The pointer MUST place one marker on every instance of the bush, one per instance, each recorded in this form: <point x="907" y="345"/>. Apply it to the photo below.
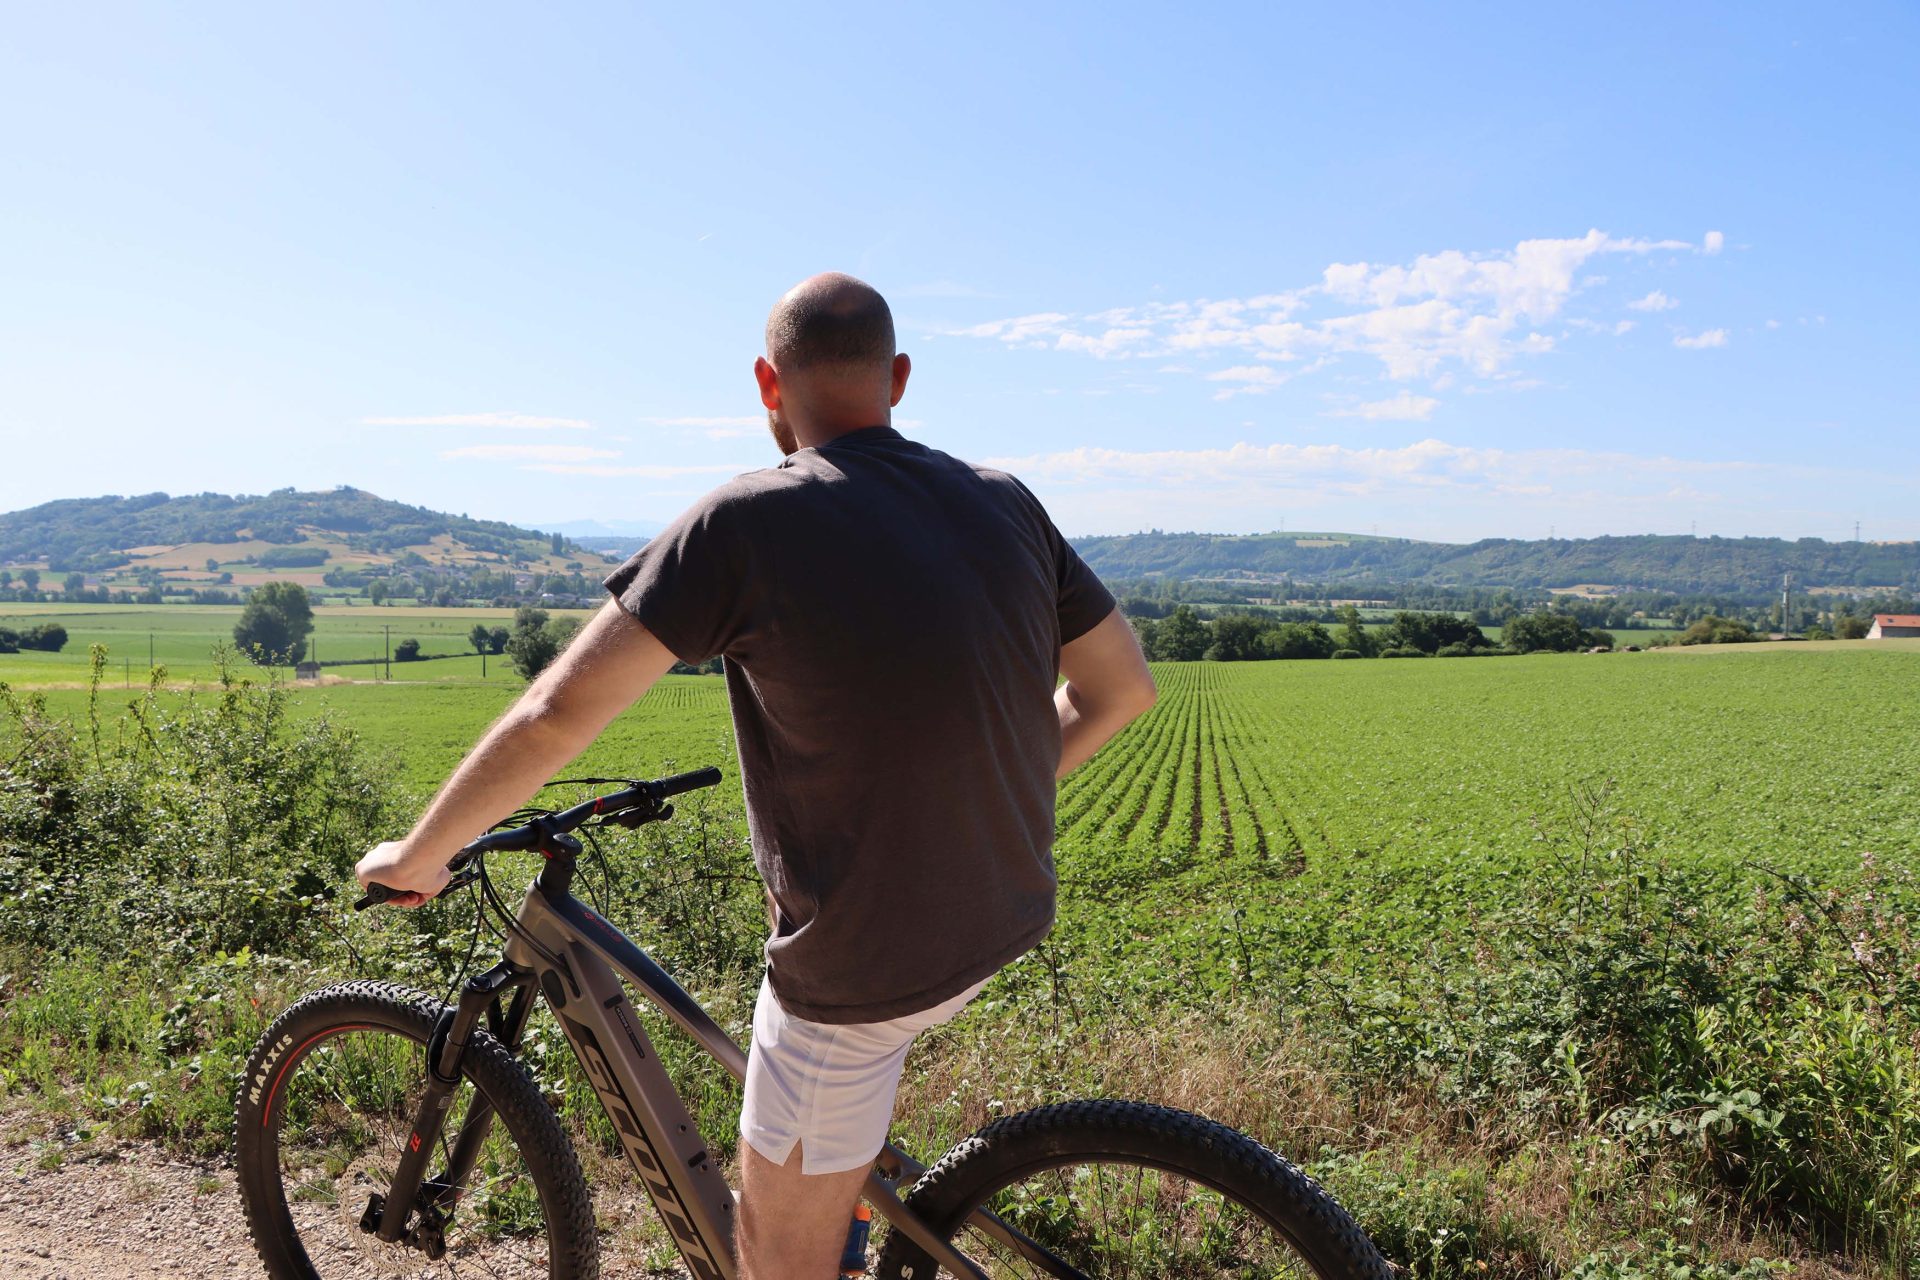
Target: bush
<point x="407" y="650"/>
<point x="49" y="638"/>
<point x="1714" y="629"/>
<point x="1460" y="651"/>
<point x="1347" y="653"/>
<point x="1402" y="652"/>
<point x="212" y="823"/>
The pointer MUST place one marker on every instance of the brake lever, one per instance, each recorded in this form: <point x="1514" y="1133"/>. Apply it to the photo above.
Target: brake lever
<point x="378" y="893"/>
<point x="633" y="819"/>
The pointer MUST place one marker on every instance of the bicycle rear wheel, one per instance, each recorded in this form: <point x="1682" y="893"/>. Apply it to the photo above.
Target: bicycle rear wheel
<point x="326" y="1105"/>
<point x="1122" y="1189"/>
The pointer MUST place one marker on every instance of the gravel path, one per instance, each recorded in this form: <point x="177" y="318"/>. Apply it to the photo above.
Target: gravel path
<point x="114" y="1209"/>
<point x="125" y="1212"/>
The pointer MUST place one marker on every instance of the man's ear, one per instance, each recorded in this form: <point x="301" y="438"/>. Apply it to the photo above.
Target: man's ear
<point x="769" y="379"/>
<point x="901" y="368"/>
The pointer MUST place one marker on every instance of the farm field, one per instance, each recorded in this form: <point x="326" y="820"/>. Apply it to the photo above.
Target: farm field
<point x="1408" y="783"/>
<point x="1409" y="921"/>
<point x="181" y="638"/>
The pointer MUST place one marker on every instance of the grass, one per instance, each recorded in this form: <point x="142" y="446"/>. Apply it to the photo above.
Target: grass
<point x="181" y="638"/>
<point x="1499" y="949"/>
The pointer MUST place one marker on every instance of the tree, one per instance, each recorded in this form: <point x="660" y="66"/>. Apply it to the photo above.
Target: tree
<point x="1182" y="637"/>
<point x="537" y="640"/>
<point x="6" y="579"/>
<point x="31" y="579"/>
<point x="1236" y="638"/>
<point x="1544" y="631"/>
<point x="478" y="638"/>
<point x="213" y="566"/>
<point x="559" y="544"/>
<point x="376" y="591"/>
<point x="1849" y="627"/>
<point x="74" y="584"/>
<point x="407" y="650"/>
<point x="274" y="626"/>
<point x="497" y="640"/>
<point x="1353" y="635"/>
<point x="1298" y="640"/>
<point x="1432" y="632"/>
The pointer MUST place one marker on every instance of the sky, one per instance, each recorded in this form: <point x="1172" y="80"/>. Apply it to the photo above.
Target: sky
<point x="1442" y="272"/>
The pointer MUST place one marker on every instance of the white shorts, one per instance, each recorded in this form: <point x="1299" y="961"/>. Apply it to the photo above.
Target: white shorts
<point x="829" y="1087"/>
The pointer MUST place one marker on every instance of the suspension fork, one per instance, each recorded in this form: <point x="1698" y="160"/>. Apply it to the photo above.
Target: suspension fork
<point x="445" y="1049"/>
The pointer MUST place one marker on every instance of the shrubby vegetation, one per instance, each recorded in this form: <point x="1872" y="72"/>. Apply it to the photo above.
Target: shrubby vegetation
<point x="48" y="637"/>
<point x="1183" y="636"/>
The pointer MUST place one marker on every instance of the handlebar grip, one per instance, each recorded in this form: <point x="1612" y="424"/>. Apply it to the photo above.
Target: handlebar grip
<point x="377" y="893"/>
<point x="680" y="782"/>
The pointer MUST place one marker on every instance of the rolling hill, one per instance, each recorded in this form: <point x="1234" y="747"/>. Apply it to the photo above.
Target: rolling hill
<point x="343" y="537"/>
<point x="1650" y="562"/>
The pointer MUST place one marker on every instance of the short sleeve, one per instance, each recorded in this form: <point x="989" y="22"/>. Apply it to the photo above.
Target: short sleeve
<point x="1082" y="599"/>
<point x="689" y="585"/>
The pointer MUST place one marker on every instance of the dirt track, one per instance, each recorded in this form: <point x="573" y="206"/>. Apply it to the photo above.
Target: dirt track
<point x="125" y="1212"/>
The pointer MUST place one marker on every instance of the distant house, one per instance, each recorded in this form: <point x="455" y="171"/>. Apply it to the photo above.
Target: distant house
<point x="306" y="671"/>
<point x="1888" y="626"/>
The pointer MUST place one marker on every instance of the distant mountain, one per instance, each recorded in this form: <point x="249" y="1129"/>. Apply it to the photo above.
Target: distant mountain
<point x="94" y="534"/>
<point x="1679" y="564"/>
<point x="584" y="530"/>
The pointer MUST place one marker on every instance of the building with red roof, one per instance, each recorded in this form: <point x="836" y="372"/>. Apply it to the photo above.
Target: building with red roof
<point x="1886" y="626"/>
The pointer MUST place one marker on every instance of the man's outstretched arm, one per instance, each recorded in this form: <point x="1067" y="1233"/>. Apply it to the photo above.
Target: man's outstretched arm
<point x="603" y="672"/>
<point x="1107" y="686"/>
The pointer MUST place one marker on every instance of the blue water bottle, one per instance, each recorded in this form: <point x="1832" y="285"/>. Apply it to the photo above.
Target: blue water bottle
<point x="853" y="1259"/>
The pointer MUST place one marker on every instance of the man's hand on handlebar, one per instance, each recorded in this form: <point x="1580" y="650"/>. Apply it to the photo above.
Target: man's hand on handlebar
<point x="390" y="865"/>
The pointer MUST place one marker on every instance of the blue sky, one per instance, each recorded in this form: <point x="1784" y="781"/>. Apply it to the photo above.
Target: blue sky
<point x="1444" y="271"/>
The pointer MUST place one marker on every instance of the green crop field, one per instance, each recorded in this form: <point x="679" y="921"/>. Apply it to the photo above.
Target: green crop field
<point x="181" y="638"/>
<point x="1539" y="962"/>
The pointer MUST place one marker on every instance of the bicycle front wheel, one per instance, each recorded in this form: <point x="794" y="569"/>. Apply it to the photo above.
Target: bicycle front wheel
<point x="327" y="1105"/>
<point x="1114" y="1189"/>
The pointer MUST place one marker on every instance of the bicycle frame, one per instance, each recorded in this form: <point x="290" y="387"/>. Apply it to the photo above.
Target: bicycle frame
<point x="579" y="961"/>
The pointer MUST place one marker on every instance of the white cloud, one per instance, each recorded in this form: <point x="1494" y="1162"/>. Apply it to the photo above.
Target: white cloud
<point x="507" y="421"/>
<point x="647" y="472"/>
<point x="1714" y="243"/>
<point x="529" y="452"/>
<point x="1623" y="326"/>
<point x="1405" y="407"/>
<point x="1655" y="301"/>
<point x="1453" y="309"/>
<point x="730" y="427"/>
<point x="735" y="420"/>
<point x="1428" y="464"/>
<point x="1249" y="380"/>
<point x="1700" y="341"/>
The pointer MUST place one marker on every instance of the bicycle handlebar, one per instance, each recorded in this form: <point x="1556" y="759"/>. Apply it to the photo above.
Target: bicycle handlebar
<point x="645" y="798"/>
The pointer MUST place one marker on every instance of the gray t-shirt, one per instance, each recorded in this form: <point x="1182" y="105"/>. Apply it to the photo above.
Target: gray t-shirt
<point x="891" y="621"/>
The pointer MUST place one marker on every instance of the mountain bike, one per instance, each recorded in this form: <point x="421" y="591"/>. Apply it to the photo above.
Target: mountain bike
<point x="382" y="1132"/>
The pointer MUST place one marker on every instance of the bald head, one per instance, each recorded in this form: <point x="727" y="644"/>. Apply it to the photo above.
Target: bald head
<point x="831" y="322"/>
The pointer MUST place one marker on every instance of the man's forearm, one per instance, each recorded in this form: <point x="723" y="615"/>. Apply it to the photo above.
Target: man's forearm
<point x="511" y="762"/>
<point x="1085" y="726"/>
<point x="607" y="667"/>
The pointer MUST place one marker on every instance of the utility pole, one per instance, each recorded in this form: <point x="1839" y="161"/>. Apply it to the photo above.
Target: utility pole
<point x="1786" y="586"/>
<point x="1856" y="531"/>
<point x="149" y="650"/>
<point x="386" y="630"/>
